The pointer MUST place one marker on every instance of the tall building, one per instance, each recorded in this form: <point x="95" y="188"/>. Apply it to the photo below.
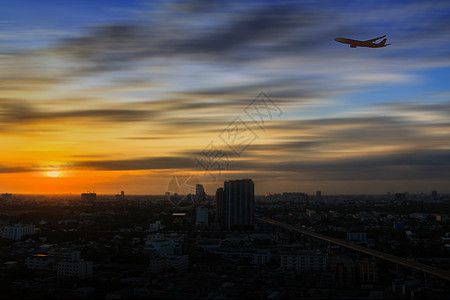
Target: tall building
<point x="220" y="217"/>
<point x="434" y="195"/>
<point x="318" y="196"/>
<point x="235" y="204"/>
<point x="398" y="225"/>
<point x="400" y="196"/>
<point x="200" y="195"/>
<point x="201" y="218"/>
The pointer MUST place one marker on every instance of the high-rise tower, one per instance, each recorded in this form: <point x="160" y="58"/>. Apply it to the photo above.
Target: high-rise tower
<point x="235" y="204"/>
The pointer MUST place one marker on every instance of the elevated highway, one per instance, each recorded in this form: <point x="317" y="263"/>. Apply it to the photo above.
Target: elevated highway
<point x="392" y="258"/>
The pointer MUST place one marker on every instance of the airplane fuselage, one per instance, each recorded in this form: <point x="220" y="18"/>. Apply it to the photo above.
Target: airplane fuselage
<point x="356" y="43"/>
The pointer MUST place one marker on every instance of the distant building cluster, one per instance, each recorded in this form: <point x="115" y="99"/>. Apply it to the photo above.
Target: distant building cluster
<point x="166" y="252"/>
<point x="120" y="196"/>
<point x="66" y="262"/>
<point x="295" y="197"/>
<point x="6" y="197"/>
<point x="88" y="197"/>
<point x="219" y="248"/>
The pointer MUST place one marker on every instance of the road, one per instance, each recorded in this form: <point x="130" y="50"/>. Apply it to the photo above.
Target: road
<point x="395" y="259"/>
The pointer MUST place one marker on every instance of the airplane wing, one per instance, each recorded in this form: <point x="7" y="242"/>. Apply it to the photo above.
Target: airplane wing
<point x="373" y="40"/>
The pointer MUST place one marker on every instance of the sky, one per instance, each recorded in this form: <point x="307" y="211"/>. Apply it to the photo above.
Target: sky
<point x="118" y="95"/>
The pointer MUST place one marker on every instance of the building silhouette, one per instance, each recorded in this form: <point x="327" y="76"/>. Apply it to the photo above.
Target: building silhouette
<point x="6" y="197"/>
<point x="434" y="195"/>
<point x="88" y="197"/>
<point x="200" y="194"/>
<point x="201" y="217"/>
<point x="120" y="196"/>
<point x="235" y="204"/>
<point x="220" y="216"/>
<point x="318" y="196"/>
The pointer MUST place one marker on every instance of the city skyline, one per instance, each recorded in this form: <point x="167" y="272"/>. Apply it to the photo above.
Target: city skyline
<point x="124" y="95"/>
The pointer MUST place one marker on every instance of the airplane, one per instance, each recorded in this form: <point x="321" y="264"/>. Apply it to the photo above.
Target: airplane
<point x="368" y="43"/>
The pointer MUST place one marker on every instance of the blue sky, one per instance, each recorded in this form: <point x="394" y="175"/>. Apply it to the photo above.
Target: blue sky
<point x="168" y="76"/>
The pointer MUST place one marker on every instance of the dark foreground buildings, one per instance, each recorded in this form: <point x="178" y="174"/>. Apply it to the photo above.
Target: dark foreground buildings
<point x="235" y="204"/>
<point x="89" y="197"/>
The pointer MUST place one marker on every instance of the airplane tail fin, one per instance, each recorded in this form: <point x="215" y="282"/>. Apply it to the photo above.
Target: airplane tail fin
<point x="382" y="43"/>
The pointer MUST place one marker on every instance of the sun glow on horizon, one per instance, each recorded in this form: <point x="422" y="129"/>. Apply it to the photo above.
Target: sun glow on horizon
<point x="53" y="174"/>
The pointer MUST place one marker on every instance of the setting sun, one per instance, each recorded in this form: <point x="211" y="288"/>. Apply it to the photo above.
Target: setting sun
<point x="53" y="173"/>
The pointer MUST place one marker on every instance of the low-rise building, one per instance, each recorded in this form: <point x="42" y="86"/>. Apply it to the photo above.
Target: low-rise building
<point x="64" y="254"/>
<point x="180" y="263"/>
<point x="157" y="265"/>
<point x="356" y="236"/>
<point x="303" y="261"/>
<point x="79" y="269"/>
<point x="368" y="271"/>
<point x="261" y="257"/>
<point x="17" y="231"/>
<point x="178" y="240"/>
<point x="344" y="269"/>
<point x="39" y="262"/>
<point x="161" y="247"/>
<point x="156" y="226"/>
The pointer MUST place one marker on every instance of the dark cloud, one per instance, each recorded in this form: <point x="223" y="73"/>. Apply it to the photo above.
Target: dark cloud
<point x="412" y="165"/>
<point x="237" y="32"/>
<point x="152" y="163"/>
<point x="435" y="108"/>
<point x="296" y="146"/>
<point x="16" y="111"/>
<point x="264" y="24"/>
<point x="284" y="90"/>
<point x="234" y="35"/>
<point x="4" y="169"/>
<point x="421" y="164"/>
<point x="112" y="115"/>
